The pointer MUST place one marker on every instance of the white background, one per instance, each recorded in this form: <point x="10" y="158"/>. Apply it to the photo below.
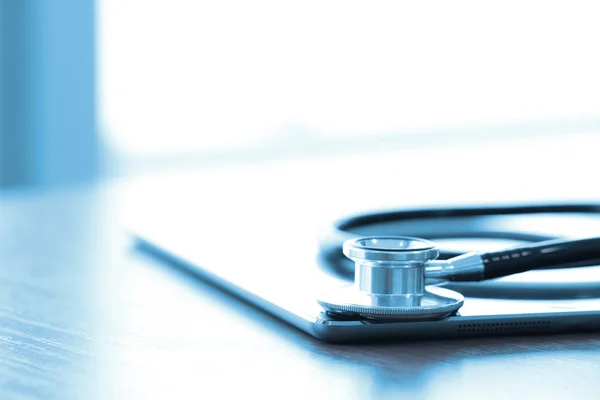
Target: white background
<point x="215" y="76"/>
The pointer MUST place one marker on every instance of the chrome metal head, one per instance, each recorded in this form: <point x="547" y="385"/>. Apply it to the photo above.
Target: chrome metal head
<point x="389" y="281"/>
<point x="390" y="249"/>
<point x="390" y="265"/>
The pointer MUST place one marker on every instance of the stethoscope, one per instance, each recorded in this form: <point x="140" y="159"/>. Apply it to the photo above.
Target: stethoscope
<point x="398" y="277"/>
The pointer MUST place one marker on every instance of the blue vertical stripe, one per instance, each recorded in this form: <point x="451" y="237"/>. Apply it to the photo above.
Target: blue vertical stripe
<point x="47" y="123"/>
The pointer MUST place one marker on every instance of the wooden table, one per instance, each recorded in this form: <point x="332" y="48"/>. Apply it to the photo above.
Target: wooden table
<point x="83" y="315"/>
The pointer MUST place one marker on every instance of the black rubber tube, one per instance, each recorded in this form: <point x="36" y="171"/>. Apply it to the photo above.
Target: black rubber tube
<point x="548" y="254"/>
<point x="331" y="243"/>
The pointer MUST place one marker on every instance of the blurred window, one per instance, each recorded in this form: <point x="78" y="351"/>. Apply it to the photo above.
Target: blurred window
<point x="219" y="76"/>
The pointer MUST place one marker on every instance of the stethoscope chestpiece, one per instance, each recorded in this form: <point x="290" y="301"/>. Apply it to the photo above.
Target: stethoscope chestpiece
<point x="389" y="281"/>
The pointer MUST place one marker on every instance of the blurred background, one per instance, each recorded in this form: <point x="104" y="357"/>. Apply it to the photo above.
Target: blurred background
<point x="109" y="88"/>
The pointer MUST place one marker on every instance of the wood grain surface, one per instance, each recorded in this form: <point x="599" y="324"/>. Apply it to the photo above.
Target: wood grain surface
<point x="84" y="316"/>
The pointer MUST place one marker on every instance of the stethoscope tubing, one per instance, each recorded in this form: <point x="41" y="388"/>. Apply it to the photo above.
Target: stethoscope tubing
<point x="543" y="251"/>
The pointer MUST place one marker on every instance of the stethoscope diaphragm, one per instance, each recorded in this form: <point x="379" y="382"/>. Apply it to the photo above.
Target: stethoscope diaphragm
<point x="390" y="282"/>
